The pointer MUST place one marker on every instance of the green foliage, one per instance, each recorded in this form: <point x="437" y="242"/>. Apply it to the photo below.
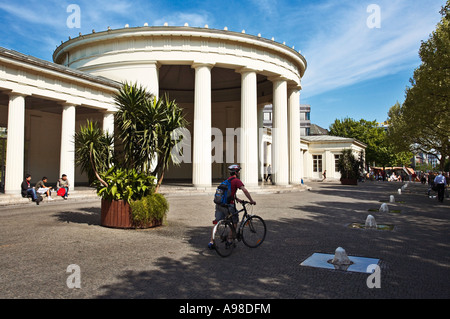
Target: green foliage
<point x="135" y="121"/>
<point x="125" y="184"/>
<point x="381" y="149"/>
<point x="94" y="149"/>
<point x="145" y="125"/>
<point x="153" y="207"/>
<point x="348" y="165"/>
<point x="422" y="123"/>
<point x="364" y="131"/>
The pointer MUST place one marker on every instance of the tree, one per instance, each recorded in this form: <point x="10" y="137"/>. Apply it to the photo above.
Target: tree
<point x="365" y="131"/>
<point x="145" y="125"/>
<point x="422" y="123"/>
<point x="349" y="166"/>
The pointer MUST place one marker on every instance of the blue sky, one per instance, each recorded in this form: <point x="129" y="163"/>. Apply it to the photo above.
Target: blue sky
<point x="353" y="70"/>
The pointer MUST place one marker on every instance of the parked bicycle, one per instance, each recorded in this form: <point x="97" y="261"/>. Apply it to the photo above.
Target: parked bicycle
<point x="252" y="231"/>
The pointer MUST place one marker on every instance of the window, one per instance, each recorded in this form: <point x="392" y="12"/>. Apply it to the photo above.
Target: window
<point x="336" y="161"/>
<point x="267" y="116"/>
<point x="317" y="163"/>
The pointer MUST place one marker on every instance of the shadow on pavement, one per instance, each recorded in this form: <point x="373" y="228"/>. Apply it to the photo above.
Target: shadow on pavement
<point x="90" y="216"/>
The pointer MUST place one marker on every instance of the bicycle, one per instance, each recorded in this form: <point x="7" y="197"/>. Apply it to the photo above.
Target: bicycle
<point x="252" y="231"/>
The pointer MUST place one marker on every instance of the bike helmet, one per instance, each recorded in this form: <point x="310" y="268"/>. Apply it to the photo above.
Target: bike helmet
<point x="234" y="168"/>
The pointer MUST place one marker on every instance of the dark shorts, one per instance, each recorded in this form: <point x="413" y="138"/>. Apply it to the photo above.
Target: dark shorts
<point x="222" y="212"/>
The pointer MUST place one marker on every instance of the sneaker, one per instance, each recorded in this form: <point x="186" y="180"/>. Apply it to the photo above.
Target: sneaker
<point x="211" y="245"/>
<point x="50" y="198"/>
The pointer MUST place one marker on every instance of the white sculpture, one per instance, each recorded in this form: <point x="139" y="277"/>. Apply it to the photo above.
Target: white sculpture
<point x="370" y="222"/>
<point x="384" y="208"/>
<point x="340" y="257"/>
<point x="399" y="191"/>
<point x="391" y="199"/>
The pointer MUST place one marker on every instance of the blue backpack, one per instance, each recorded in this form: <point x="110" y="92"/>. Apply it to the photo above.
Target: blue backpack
<point x="223" y="196"/>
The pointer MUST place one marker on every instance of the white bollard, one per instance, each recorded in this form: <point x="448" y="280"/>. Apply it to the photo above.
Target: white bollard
<point x="384" y="208"/>
<point x="340" y="257"/>
<point x="370" y="222"/>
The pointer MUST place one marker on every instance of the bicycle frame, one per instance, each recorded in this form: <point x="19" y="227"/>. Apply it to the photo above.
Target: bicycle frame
<point x="245" y="216"/>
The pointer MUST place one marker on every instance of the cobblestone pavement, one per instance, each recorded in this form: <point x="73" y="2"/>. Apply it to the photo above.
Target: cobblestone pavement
<point x="38" y="243"/>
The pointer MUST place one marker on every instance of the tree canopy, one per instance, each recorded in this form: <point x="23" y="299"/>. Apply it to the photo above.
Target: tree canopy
<point x="422" y="123"/>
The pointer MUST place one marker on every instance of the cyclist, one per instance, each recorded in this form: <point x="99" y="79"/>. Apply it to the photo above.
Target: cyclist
<point x="222" y="212"/>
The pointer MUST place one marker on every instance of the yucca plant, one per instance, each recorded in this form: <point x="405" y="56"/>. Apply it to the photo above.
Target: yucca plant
<point x="94" y="150"/>
<point x="145" y="125"/>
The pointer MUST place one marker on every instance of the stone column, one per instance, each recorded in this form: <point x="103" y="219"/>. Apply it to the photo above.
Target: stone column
<point x="146" y="75"/>
<point x="260" y="141"/>
<point x="14" y="174"/>
<point x="108" y="122"/>
<point x="201" y="166"/>
<point x="67" y="155"/>
<point x="280" y="152"/>
<point x="249" y="128"/>
<point x="295" y="160"/>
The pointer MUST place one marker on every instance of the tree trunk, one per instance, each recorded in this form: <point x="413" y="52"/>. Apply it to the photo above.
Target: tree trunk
<point x="95" y="171"/>
<point x="160" y="179"/>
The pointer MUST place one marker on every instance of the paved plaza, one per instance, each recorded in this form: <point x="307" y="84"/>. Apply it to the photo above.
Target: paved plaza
<point x="38" y="243"/>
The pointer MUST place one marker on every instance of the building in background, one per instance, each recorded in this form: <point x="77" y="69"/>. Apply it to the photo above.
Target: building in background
<point x="222" y="79"/>
<point x="320" y="151"/>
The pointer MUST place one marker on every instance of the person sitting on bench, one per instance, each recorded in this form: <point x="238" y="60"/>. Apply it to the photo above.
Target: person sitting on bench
<point x="63" y="186"/>
<point x="28" y="191"/>
<point x="42" y="189"/>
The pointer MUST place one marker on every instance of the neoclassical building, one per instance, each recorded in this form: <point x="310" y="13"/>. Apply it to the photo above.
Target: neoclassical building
<point x="222" y="79"/>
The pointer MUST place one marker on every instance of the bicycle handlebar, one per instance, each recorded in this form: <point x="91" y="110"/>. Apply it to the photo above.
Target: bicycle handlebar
<point x="244" y="202"/>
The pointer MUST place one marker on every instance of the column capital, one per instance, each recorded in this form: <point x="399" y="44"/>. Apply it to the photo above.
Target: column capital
<point x="67" y="104"/>
<point x="197" y="64"/>
<point x="245" y="69"/>
<point x="14" y="94"/>
<point x="276" y="78"/>
<point x="294" y="87"/>
<point x="155" y="63"/>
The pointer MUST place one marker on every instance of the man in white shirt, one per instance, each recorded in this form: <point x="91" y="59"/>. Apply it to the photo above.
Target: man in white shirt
<point x="440" y="183"/>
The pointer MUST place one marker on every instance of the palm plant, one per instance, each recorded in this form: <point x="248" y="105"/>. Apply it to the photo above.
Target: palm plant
<point x="145" y="125"/>
<point x="135" y="121"/>
<point x="172" y="118"/>
<point x="94" y="150"/>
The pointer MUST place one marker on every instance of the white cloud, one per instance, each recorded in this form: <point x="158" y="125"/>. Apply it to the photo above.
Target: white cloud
<point x="345" y="51"/>
<point x="180" y="18"/>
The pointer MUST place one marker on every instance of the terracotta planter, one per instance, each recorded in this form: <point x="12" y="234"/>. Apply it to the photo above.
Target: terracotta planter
<point x="117" y="214"/>
<point x="349" y="181"/>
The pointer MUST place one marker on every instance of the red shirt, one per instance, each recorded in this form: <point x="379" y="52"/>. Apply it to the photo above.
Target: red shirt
<point x="236" y="183"/>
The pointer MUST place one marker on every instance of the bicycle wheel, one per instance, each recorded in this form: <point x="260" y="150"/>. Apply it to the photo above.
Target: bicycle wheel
<point x="254" y="231"/>
<point x="223" y="238"/>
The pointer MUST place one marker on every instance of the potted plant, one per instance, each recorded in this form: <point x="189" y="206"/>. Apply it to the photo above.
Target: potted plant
<point x="127" y="184"/>
<point x="129" y="200"/>
<point x="349" y="167"/>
